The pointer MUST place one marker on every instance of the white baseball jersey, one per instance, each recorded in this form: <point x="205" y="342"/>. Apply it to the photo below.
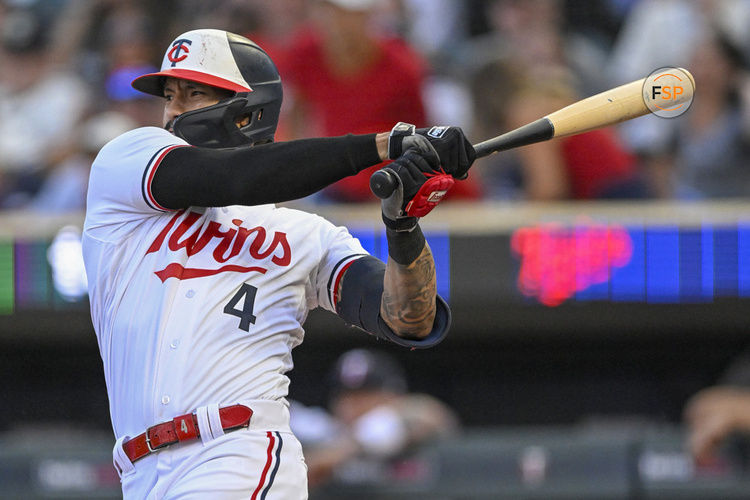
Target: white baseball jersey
<point x="198" y="306"/>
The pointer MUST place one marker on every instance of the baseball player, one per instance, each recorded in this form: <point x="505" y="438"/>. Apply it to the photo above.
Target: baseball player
<point x="199" y="286"/>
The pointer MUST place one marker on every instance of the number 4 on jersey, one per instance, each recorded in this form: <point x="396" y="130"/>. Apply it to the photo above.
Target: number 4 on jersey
<point x="246" y="313"/>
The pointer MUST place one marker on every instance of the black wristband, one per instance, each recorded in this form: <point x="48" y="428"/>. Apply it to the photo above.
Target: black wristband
<point x="396" y="139"/>
<point x="401" y="224"/>
<point x="405" y="246"/>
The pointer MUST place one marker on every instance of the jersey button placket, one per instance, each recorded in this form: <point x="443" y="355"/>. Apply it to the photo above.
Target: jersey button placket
<point x="185" y="312"/>
<point x="174" y="362"/>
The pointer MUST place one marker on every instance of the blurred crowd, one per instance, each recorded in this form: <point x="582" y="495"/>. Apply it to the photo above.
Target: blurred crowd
<point x="373" y="422"/>
<point x="360" y="66"/>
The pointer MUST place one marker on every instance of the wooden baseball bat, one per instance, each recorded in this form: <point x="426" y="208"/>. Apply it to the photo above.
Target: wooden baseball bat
<point x="606" y="108"/>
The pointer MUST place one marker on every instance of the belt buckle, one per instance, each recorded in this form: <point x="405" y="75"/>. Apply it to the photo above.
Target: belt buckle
<point x="152" y="449"/>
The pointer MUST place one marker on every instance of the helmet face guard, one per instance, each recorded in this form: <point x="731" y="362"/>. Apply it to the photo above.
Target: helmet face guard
<point x="216" y="126"/>
<point x="228" y="61"/>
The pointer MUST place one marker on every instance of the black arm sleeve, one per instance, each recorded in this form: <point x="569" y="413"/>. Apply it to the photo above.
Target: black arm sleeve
<point x="270" y="173"/>
<point x="362" y="290"/>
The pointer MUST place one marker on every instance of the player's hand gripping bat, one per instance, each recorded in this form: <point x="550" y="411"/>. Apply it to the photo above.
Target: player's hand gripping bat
<point x="606" y="108"/>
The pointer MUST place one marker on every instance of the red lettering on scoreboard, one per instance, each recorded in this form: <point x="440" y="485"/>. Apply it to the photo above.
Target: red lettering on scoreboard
<point x="557" y="261"/>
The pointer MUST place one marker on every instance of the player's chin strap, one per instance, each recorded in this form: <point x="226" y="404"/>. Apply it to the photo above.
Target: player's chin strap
<point x="359" y="305"/>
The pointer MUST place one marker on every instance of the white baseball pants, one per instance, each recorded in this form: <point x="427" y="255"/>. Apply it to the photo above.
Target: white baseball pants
<point x="262" y="462"/>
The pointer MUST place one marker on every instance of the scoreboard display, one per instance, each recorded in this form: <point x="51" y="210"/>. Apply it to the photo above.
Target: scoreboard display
<point x="552" y="264"/>
<point x="655" y="264"/>
<point x="547" y="264"/>
<point x="542" y="260"/>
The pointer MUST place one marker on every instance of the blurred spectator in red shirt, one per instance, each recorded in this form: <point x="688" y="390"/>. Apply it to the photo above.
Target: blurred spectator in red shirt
<point x="347" y="79"/>
<point x="585" y="166"/>
<point x="343" y="78"/>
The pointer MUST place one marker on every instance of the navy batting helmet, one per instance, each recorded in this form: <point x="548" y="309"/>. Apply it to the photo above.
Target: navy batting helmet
<point x="228" y="61"/>
<point x="364" y="369"/>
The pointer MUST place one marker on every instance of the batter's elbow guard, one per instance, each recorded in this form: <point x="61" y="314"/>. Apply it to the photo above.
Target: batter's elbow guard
<point x="440" y="327"/>
<point x="359" y="305"/>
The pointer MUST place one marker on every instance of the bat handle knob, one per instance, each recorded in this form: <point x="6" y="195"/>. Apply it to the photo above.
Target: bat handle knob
<point x="383" y="183"/>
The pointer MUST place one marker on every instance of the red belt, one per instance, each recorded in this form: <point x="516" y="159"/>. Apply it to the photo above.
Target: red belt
<point x="182" y="428"/>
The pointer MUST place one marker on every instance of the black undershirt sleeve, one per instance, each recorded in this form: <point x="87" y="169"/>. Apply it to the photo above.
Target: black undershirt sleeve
<point x="270" y="173"/>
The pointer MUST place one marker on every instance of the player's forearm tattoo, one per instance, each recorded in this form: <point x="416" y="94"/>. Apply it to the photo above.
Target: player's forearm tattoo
<point x="408" y="304"/>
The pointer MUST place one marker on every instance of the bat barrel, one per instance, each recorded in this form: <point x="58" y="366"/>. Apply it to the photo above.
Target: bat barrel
<point x="603" y="109"/>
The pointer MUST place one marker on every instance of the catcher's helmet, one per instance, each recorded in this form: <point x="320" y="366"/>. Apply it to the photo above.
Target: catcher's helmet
<point x="228" y="61"/>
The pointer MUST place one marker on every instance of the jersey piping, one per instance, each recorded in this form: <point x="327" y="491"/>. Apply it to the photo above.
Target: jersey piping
<point x="273" y="459"/>
<point x="336" y="275"/>
<point x="148" y="177"/>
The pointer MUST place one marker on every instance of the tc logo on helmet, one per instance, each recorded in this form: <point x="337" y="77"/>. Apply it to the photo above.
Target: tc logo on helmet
<point x="179" y="46"/>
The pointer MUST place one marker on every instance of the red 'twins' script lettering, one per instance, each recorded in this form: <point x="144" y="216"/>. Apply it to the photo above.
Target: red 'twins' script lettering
<point x="557" y="262"/>
<point x="230" y="243"/>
